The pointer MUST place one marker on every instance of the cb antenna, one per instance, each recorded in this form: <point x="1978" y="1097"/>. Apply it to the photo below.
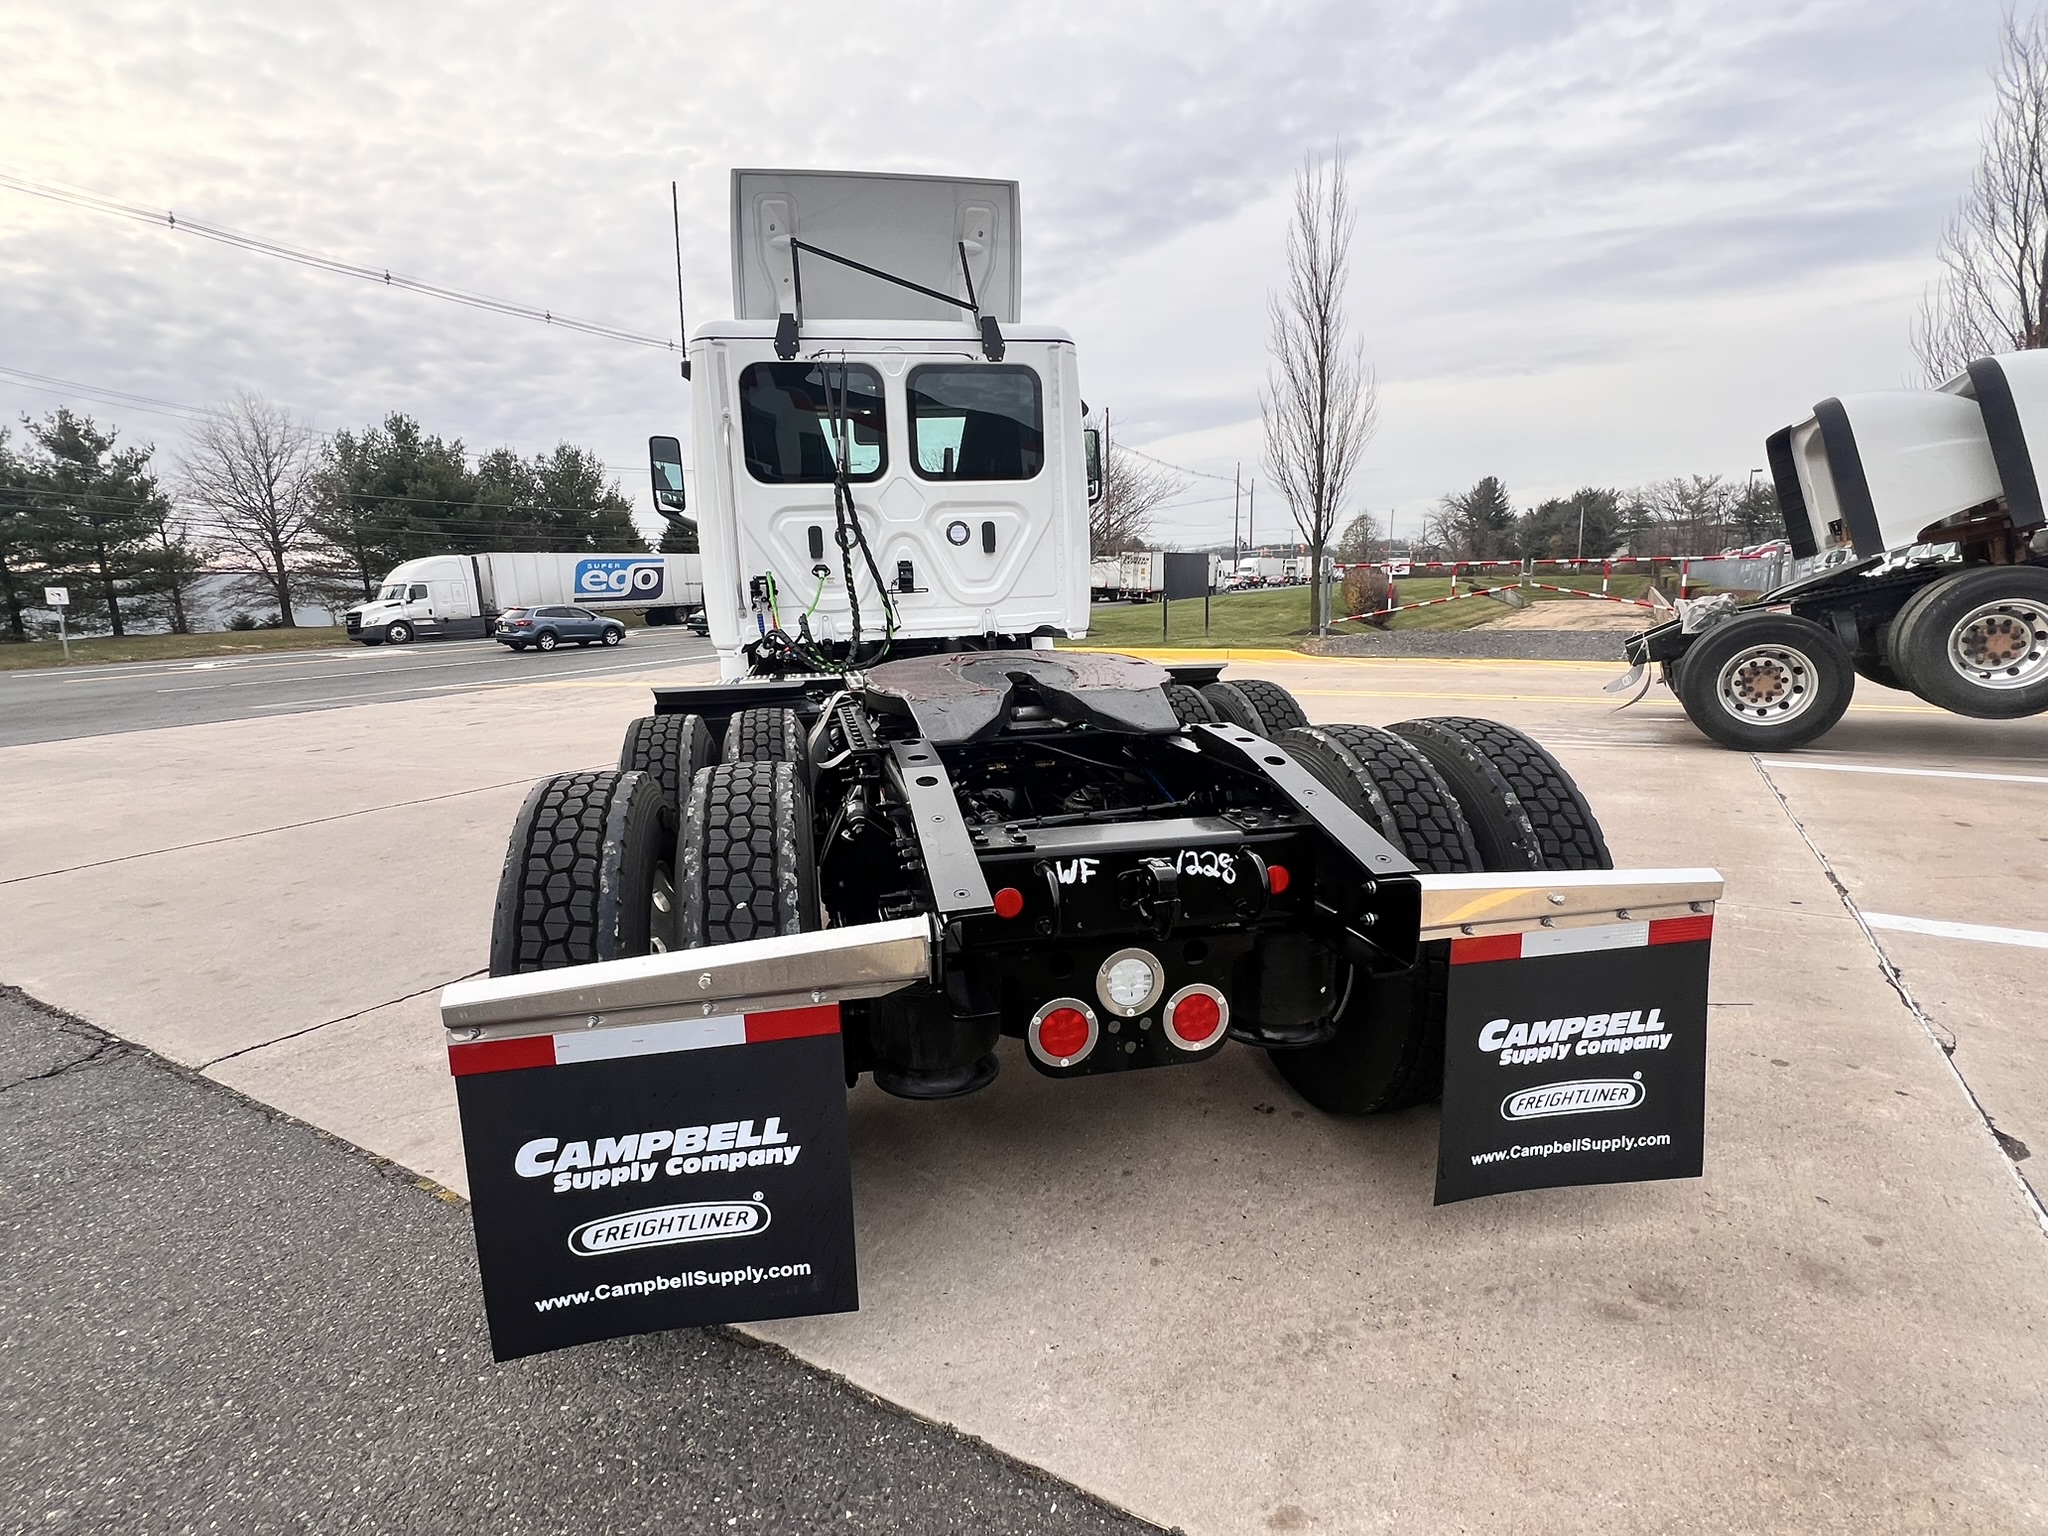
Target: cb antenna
<point x="675" y="212"/>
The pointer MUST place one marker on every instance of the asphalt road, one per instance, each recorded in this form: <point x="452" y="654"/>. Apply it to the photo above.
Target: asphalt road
<point x="60" y="705"/>
<point x="214" y="1318"/>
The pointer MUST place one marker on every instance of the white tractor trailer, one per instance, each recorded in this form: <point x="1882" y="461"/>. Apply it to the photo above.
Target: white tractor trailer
<point x="1918" y="520"/>
<point x="445" y="597"/>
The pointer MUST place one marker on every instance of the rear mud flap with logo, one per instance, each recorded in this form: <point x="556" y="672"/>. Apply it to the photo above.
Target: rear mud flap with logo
<point x="1575" y="1056"/>
<point x="666" y="1175"/>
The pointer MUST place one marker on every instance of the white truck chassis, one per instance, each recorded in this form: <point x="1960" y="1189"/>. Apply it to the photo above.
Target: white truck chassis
<point x="1920" y="515"/>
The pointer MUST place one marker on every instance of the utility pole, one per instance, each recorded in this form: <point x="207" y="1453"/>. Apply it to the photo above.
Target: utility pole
<point x="1251" y="512"/>
<point x="1236" y="492"/>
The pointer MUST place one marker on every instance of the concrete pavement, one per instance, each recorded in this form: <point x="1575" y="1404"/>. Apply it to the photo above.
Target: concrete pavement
<point x="1181" y="1290"/>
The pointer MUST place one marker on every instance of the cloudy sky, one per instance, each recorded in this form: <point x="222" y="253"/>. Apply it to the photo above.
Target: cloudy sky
<point x="1598" y="242"/>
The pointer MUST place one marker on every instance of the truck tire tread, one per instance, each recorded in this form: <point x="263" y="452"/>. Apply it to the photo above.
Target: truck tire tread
<point x="1277" y="707"/>
<point x="1263" y="708"/>
<point x="1524" y="809"/>
<point x="1425" y="823"/>
<point x="1396" y="1059"/>
<point x="764" y="736"/>
<point x="577" y="882"/>
<point x="669" y="749"/>
<point x="744" y="860"/>
<point x="1190" y="707"/>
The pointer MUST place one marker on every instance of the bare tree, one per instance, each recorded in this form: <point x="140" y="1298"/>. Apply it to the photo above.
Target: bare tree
<point x="1321" y="401"/>
<point x="1132" y="489"/>
<point x="252" y="466"/>
<point x="1992" y="295"/>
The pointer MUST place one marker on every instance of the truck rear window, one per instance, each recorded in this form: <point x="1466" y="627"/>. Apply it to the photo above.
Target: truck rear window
<point x="787" y="421"/>
<point x="976" y="423"/>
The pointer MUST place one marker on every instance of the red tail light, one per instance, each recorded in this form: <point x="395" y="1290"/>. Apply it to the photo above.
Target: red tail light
<point x="1063" y="1032"/>
<point x="1009" y="901"/>
<point x="1277" y="878"/>
<point x="1196" y="1017"/>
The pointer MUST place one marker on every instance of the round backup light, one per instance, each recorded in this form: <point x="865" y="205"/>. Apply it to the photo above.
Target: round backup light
<point x="1130" y="981"/>
<point x="1196" y="1017"/>
<point x="1063" y="1032"/>
<point x="1009" y="901"/>
<point x="1277" y="878"/>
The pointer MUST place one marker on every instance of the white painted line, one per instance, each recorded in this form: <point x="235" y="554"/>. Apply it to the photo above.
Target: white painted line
<point x="1910" y="773"/>
<point x="2025" y="938"/>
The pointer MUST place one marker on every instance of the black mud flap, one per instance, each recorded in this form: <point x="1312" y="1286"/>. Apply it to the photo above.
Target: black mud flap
<point x="1575" y="1056"/>
<point x="653" y="1176"/>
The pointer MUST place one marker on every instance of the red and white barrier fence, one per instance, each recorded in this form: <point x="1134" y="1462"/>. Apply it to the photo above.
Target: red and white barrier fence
<point x="1394" y="570"/>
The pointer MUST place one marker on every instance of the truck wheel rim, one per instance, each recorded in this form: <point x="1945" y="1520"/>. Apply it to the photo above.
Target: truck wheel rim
<point x="2002" y="645"/>
<point x="1767" y="683"/>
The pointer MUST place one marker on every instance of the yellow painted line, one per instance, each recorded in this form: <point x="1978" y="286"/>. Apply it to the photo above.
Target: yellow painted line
<point x="1447" y="693"/>
<point x="1204" y="653"/>
<point x="1664" y="709"/>
<point x="1304" y="658"/>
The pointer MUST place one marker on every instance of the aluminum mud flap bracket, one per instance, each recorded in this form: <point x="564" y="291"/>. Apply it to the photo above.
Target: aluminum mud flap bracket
<point x="661" y="1142"/>
<point x="1575" y="1027"/>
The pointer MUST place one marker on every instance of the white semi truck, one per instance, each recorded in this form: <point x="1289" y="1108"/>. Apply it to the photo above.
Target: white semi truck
<point x="1917" y="519"/>
<point x="902" y="803"/>
<point x="460" y="596"/>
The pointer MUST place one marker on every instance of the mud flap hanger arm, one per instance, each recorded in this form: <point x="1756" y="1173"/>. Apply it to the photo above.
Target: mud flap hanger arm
<point x="789" y="325"/>
<point x="1480" y="906"/>
<point x="798" y="970"/>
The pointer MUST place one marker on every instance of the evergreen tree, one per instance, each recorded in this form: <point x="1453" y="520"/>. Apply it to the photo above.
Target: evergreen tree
<point x="20" y="543"/>
<point x="96" y="504"/>
<point x="392" y="494"/>
<point x="1587" y="522"/>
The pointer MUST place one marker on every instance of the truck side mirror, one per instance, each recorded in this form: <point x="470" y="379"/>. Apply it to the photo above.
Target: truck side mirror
<point x="665" y="460"/>
<point x="1093" y="439"/>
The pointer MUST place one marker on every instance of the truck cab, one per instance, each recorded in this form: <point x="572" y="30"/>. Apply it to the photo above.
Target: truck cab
<point x="418" y="600"/>
<point x="889" y="488"/>
<point x="888" y="463"/>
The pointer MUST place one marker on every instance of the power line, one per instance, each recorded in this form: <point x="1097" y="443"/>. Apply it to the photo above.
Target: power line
<point x="55" y="386"/>
<point x="1177" y="468"/>
<point x="51" y="385"/>
<point x="166" y="219"/>
<point x="26" y="496"/>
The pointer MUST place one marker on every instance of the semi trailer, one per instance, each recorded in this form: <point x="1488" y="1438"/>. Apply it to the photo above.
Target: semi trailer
<point x="1139" y="576"/>
<point x="1917" y="521"/>
<point x="903" y="817"/>
<point x="460" y="596"/>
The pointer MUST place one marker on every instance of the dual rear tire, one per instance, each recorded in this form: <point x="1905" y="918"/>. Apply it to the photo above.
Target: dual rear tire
<point x="1456" y="796"/>
<point x="672" y="850"/>
<point x="1976" y="642"/>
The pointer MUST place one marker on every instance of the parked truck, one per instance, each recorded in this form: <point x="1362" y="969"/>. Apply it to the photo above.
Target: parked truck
<point x="1138" y="576"/>
<point x="903" y="803"/>
<point x="1917" y="520"/>
<point x="461" y="596"/>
